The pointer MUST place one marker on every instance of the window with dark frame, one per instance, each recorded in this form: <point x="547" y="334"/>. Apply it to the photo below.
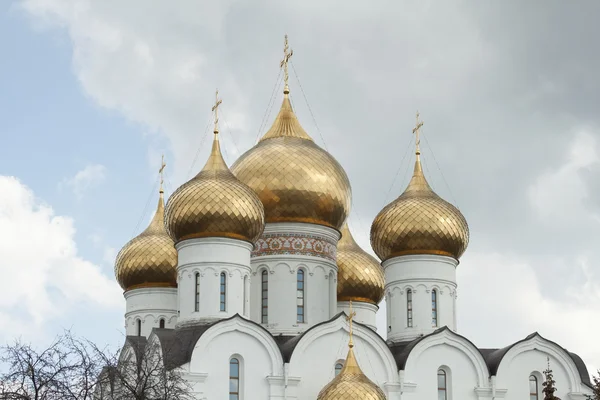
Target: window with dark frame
<point x="234" y="379"/>
<point x="197" y="297"/>
<point x="161" y="324"/>
<point x="265" y="296"/>
<point x="300" y="317"/>
<point x="223" y="295"/>
<point x="409" y="308"/>
<point x="139" y="327"/>
<point x="338" y="368"/>
<point x="533" y="387"/>
<point x="442" y="385"/>
<point x="434" y="308"/>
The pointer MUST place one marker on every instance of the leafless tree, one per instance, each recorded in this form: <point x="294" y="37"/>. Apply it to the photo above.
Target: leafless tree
<point x="76" y="369"/>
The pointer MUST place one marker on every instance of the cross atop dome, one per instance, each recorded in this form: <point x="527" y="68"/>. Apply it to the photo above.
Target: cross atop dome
<point x="417" y="131"/>
<point x="284" y="64"/>
<point x="215" y="109"/>
<point x="161" y="171"/>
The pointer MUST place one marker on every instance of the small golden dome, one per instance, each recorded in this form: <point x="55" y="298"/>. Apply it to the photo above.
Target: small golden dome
<point x="351" y="383"/>
<point x="295" y="179"/>
<point x="419" y="222"/>
<point x="150" y="259"/>
<point x="215" y="204"/>
<point x="360" y="276"/>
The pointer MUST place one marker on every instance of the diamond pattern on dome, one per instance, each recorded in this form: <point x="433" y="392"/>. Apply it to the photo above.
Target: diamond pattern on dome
<point x="214" y="204"/>
<point x="149" y="259"/>
<point x="419" y="222"/>
<point x="351" y="384"/>
<point x="360" y="276"/>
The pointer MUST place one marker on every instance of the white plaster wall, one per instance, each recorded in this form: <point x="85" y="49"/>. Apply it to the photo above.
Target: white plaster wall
<point x="420" y="376"/>
<point x="150" y="305"/>
<point x="532" y="357"/>
<point x="258" y="355"/>
<point x="320" y="299"/>
<point x="315" y="356"/>
<point x="422" y="274"/>
<point x="365" y="312"/>
<point x="210" y="257"/>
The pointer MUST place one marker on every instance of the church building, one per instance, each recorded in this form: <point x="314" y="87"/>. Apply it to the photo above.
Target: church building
<point x="251" y="283"/>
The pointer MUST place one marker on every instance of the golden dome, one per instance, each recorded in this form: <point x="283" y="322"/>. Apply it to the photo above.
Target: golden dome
<point x="150" y="259"/>
<point x="295" y="179"/>
<point x="215" y="204"/>
<point x="419" y="222"/>
<point x="351" y="383"/>
<point x="360" y="276"/>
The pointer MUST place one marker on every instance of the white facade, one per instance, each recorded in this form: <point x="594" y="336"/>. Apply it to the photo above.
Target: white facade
<point x="425" y="285"/>
<point x="287" y="253"/>
<point x="147" y="307"/>
<point x="213" y="278"/>
<point x="366" y="313"/>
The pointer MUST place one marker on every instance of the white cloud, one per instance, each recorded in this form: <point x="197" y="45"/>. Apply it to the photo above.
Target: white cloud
<point x="42" y="274"/>
<point x="85" y="179"/>
<point x="559" y="193"/>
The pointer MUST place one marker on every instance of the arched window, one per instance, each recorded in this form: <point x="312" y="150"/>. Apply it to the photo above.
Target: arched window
<point x="300" y="296"/>
<point x="197" y="298"/>
<point x="338" y="368"/>
<point x="223" y="291"/>
<point x="161" y="324"/>
<point x="234" y="379"/>
<point x="533" y="387"/>
<point x="409" y="308"/>
<point x="265" y="296"/>
<point x="139" y="327"/>
<point x="434" y="308"/>
<point x="442" y="385"/>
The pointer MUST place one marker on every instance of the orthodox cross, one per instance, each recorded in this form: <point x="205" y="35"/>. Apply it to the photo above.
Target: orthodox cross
<point x="284" y="63"/>
<point x="417" y="132"/>
<point x="350" y="318"/>
<point x="162" y="173"/>
<point x="215" y="109"/>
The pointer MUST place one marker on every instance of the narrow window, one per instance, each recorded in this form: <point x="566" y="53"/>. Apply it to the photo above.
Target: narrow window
<point x="197" y="298"/>
<point x="434" y="308"/>
<point x="533" y="388"/>
<point x="338" y="368"/>
<point x="265" y="296"/>
<point x="161" y="324"/>
<point x="234" y="379"/>
<point x="223" y="291"/>
<point x="300" y="296"/>
<point x="409" y="308"/>
<point x="442" y="385"/>
<point x="139" y="327"/>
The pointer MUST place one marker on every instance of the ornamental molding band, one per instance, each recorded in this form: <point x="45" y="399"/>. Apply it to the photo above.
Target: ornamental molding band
<point x="295" y="244"/>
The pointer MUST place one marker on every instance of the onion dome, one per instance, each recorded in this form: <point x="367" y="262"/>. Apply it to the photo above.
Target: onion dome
<point x="351" y="383"/>
<point x="296" y="180"/>
<point x="214" y="204"/>
<point x="150" y="259"/>
<point x="360" y="276"/>
<point x="419" y="222"/>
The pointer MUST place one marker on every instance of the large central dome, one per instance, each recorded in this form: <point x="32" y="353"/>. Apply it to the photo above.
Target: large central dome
<point x="296" y="180"/>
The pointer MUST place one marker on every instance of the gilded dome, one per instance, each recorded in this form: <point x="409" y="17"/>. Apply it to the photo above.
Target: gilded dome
<point x="360" y="276"/>
<point x="149" y="259"/>
<point x="351" y="384"/>
<point x="419" y="222"/>
<point x="295" y="179"/>
<point x="214" y="204"/>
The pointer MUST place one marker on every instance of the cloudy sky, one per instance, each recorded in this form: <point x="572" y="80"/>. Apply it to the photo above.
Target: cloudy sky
<point x="92" y="92"/>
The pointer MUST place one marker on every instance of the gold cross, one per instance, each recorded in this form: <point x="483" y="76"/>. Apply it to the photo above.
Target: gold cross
<point x="350" y="318"/>
<point x="215" y="109"/>
<point x="161" y="172"/>
<point x="284" y="63"/>
<point x="417" y="132"/>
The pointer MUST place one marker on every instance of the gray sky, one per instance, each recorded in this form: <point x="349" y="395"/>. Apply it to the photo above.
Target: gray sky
<point x="509" y="92"/>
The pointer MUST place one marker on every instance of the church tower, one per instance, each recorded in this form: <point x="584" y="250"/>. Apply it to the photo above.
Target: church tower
<point x="419" y="238"/>
<point x="306" y="196"/>
<point x="146" y="270"/>
<point x="214" y="220"/>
